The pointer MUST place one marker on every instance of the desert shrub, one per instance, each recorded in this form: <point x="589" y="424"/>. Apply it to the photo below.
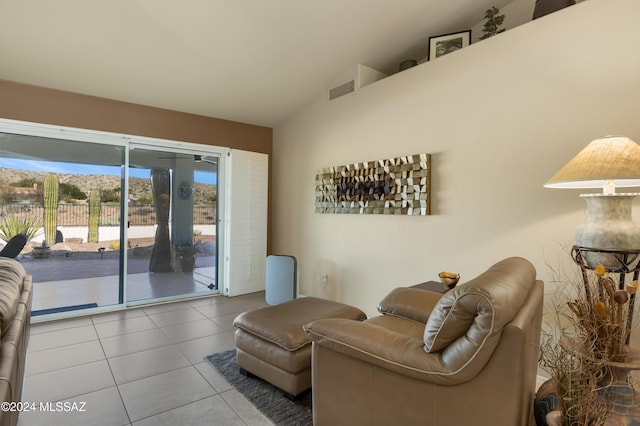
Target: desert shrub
<point x="110" y="195"/>
<point x="145" y="200"/>
<point x="25" y="223"/>
<point x="70" y="191"/>
<point x="25" y="183"/>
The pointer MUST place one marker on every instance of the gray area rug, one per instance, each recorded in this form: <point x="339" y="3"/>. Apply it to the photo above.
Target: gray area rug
<point x="264" y="396"/>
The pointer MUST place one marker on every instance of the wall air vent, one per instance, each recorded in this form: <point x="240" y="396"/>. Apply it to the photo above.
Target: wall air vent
<point x="343" y="89"/>
<point x="354" y="80"/>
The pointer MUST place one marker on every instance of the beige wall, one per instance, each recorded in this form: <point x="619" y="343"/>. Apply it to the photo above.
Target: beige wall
<point x="499" y="117"/>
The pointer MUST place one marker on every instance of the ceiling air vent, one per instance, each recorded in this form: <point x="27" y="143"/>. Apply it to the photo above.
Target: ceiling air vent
<point x="343" y="89"/>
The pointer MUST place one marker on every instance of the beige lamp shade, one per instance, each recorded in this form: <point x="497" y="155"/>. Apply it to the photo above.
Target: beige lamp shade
<point x="613" y="158"/>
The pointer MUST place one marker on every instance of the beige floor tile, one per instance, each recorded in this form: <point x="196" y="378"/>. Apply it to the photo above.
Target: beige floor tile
<point x="196" y="350"/>
<point x="134" y="342"/>
<point x="118" y="315"/>
<point x="100" y="408"/>
<point x="153" y="395"/>
<point x="232" y="308"/>
<point x="131" y="325"/>
<point x="63" y="357"/>
<point x="68" y="382"/>
<point x="167" y="307"/>
<point x="215" y="379"/>
<point x="209" y="411"/>
<point x="165" y="319"/>
<point x="45" y="327"/>
<point x="138" y="365"/>
<point x="225" y="321"/>
<point x="67" y="336"/>
<point x="204" y="301"/>
<point x="247" y="412"/>
<point x="191" y="330"/>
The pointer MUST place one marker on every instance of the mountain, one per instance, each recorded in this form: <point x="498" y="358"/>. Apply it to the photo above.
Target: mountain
<point x="138" y="187"/>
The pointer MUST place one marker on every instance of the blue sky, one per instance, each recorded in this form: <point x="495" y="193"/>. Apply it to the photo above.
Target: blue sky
<point x="85" y="169"/>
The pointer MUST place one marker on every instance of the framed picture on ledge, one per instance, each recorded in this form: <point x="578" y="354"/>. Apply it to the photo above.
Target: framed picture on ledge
<point x="447" y="43"/>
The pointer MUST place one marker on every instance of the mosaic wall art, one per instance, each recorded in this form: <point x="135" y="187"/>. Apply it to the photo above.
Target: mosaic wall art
<point x="400" y="186"/>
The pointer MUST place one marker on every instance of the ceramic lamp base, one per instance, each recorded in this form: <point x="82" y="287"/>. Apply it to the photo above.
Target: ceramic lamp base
<point x="608" y="226"/>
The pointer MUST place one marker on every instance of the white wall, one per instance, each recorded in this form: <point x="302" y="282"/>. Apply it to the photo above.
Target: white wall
<point x="499" y="117"/>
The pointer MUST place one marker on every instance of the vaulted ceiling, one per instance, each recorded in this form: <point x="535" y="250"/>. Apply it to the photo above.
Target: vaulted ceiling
<point x="253" y="61"/>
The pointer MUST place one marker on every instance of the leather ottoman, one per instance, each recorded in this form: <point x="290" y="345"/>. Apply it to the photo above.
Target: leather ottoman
<point x="271" y="343"/>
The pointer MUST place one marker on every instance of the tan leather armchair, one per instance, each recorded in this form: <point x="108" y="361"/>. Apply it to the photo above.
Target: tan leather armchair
<point x="466" y="358"/>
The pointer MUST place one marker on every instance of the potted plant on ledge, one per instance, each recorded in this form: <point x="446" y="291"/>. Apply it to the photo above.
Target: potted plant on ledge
<point x="187" y="255"/>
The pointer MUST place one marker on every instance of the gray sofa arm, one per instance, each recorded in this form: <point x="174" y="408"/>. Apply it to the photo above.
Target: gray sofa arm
<point x="387" y="349"/>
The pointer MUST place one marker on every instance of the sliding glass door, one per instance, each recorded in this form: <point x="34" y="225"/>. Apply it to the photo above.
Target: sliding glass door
<point x="65" y="195"/>
<point x="172" y="218"/>
<point x="111" y="220"/>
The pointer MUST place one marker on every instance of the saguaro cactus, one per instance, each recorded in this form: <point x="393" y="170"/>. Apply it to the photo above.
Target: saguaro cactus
<point x="50" y="207"/>
<point x="94" y="215"/>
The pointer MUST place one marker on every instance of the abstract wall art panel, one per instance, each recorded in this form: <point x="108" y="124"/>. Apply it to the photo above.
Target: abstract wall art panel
<point x="400" y="186"/>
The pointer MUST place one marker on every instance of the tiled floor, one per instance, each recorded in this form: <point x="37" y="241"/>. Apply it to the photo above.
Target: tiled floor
<point x="97" y="282"/>
<point x="138" y="367"/>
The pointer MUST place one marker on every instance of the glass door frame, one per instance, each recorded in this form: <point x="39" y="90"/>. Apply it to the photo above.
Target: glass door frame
<point x="172" y="147"/>
<point x="123" y="140"/>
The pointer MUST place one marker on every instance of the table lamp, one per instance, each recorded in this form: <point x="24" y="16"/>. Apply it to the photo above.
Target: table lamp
<point x="607" y="163"/>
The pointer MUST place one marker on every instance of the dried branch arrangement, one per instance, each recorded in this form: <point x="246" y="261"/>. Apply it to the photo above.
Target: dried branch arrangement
<point x="603" y="316"/>
<point x="589" y="338"/>
<point x="576" y="384"/>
